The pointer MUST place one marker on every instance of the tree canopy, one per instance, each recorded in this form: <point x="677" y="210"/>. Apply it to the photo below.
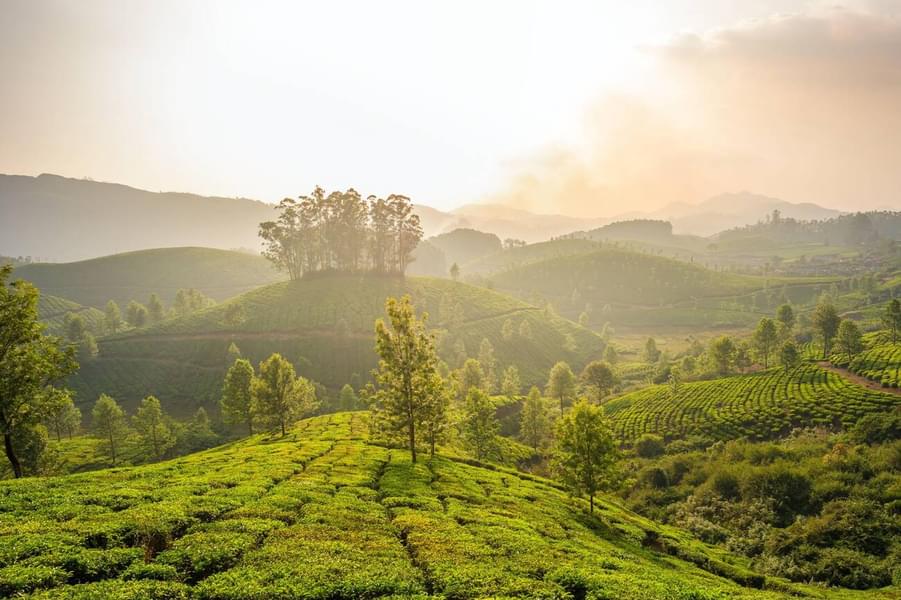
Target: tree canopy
<point x="341" y="231"/>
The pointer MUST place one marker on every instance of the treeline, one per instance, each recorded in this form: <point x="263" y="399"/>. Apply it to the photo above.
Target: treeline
<point x="341" y="231"/>
<point x="862" y="228"/>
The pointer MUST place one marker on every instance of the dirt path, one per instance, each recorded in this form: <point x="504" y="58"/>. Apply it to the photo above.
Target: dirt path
<point x="858" y="379"/>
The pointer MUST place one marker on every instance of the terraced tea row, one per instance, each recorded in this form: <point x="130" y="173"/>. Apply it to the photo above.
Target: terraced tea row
<point x="881" y="364"/>
<point x="324" y="514"/>
<point x="760" y="406"/>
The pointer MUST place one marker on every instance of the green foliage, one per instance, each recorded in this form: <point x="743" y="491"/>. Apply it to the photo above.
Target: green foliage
<point x="881" y="363"/>
<point x="136" y="314"/>
<point x="789" y="357"/>
<point x="29" y="363"/>
<point x="60" y="413"/>
<point x="341" y="231"/>
<point x="598" y="378"/>
<point x="535" y="420"/>
<point x="649" y="446"/>
<point x="561" y="384"/>
<point x="585" y="452"/>
<point x="479" y="426"/>
<point x="150" y="423"/>
<point x="280" y="397"/>
<point x="722" y="353"/>
<point x="322" y="513"/>
<point x="328" y="320"/>
<point x="826" y="321"/>
<point x="511" y="385"/>
<point x="109" y="424"/>
<point x="762" y="405"/>
<point x="848" y="339"/>
<point x="410" y="395"/>
<point x="765" y="338"/>
<point x="112" y="317"/>
<point x="155" y="309"/>
<point x="123" y="277"/>
<point x="237" y="395"/>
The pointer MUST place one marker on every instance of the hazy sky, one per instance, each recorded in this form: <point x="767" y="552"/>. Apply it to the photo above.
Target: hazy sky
<point x="588" y="108"/>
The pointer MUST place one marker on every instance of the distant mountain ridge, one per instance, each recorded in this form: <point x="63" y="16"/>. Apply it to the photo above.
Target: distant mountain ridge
<point x="60" y="219"/>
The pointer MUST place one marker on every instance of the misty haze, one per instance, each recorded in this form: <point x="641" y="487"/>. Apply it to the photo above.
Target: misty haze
<point x="545" y="300"/>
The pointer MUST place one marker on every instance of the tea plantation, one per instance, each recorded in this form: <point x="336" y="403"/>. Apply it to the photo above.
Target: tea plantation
<point x="324" y="326"/>
<point x="322" y="513"/>
<point x="760" y="406"/>
<point x="881" y="364"/>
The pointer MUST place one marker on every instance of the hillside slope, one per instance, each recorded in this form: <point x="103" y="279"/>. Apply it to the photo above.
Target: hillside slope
<point x="324" y="514"/>
<point x="763" y="405"/>
<point x="219" y="274"/>
<point x="324" y="325"/>
<point x="52" y="311"/>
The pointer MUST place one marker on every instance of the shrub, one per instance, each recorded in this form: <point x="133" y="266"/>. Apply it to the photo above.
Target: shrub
<point x="18" y="579"/>
<point x="650" y="446"/>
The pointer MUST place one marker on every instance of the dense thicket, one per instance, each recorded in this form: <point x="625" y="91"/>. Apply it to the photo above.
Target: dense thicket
<point x="341" y="232"/>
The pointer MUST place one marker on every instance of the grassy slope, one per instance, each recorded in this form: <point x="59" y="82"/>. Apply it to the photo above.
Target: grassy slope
<point x="325" y="326"/>
<point x="643" y="290"/>
<point x="761" y="405"/>
<point x="53" y="309"/>
<point x="323" y="513"/>
<point x="219" y="274"/>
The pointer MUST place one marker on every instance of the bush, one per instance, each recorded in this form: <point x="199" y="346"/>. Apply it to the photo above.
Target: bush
<point x="846" y="568"/>
<point x="725" y="485"/>
<point x="650" y="446"/>
<point x="788" y="489"/>
<point x="18" y="579"/>
<point x="654" y="477"/>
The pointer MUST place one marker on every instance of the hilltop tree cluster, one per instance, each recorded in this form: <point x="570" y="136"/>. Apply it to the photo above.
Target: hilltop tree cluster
<point x="343" y="232"/>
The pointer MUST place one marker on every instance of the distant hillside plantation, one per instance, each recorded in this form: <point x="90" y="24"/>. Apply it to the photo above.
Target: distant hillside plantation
<point x="219" y="274"/>
<point x="52" y="310"/>
<point x="61" y="219"/>
<point x="324" y="325"/>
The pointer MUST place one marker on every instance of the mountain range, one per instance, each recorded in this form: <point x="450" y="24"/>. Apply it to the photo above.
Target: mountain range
<point x="54" y="219"/>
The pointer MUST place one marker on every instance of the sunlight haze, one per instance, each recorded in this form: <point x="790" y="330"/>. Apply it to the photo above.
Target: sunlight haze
<point x="580" y="108"/>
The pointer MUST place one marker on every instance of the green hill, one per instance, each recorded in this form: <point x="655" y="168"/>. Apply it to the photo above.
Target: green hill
<point x="763" y="405"/>
<point x="324" y="325"/>
<point x="641" y="290"/>
<point x="530" y="253"/>
<point x="53" y="309"/>
<point x="219" y="274"/>
<point x="323" y="514"/>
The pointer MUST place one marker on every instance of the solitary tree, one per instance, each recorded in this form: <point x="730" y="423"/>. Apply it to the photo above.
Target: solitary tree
<point x="561" y="383"/>
<point x="785" y="315"/>
<point x="155" y="310"/>
<point x="610" y="354"/>
<point x="765" y="337"/>
<point x="109" y="424"/>
<point x="407" y="376"/>
<point x="507" y="331"/>
<point x="455" y="271"/>
<point x="849" y="338"/>
<point x="435" y="419"/>
<point x="535" y="421"/>
<point x="511" y="384"/>
<point x="150" y="423"/>
<point x="826" y="321"/>
<point x="60" y="413"/>
<point x="891" y="318"/>
<point x="29" y="363"/>
<point x="585" y="453"/>
<point x="471" y="376"/>
<point x="722" y="353"/>
<point x="112" y="317"/>
<point x="599" y="379"/>
<point x="489" y="364"/>
<point x="347" y="398"/>
<point x="237" y="395"/>
<point x="479" y="426"/>
<point x="651" y="353"/>
<point x="280" y="397"/>
<point x="789" y="355"/>
<point x="136" y="314"/>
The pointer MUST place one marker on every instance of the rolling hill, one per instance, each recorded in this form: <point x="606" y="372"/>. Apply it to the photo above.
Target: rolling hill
<point x="644" y="291"/>
<point x="219" y="274"/>
<point x="764" y="405"/>
<point x="324" y="325"/>
<point x="324" y="514"/>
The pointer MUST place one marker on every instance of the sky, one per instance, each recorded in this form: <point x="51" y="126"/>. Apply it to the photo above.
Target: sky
<point x="591" y="108"/>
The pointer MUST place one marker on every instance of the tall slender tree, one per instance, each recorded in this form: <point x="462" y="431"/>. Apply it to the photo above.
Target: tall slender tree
<point x="237" y="395"/>
<point x="891" y="318"/>
<point x="150" y="423"/>
<point x="109" y="424"/>
<point x="561" y="383"/>
<point x="407" y="377"/>
<point x="765" y="338"/>
<point x="280" y="397"/>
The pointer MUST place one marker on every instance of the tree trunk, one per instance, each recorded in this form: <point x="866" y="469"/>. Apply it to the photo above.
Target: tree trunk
<point x="250" y="426"/>
<point x="59" y="436"/>
<point x="112" y="446"/>
<point x="561" y="405"/>
<point x="11" y="455"/>
<point x="591" y="504"/>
